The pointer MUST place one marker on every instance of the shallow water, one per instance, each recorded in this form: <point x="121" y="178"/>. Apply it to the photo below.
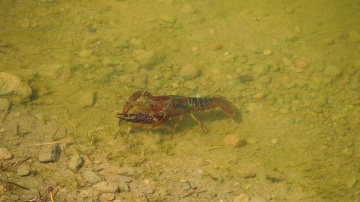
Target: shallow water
<point x="290" y="68"/>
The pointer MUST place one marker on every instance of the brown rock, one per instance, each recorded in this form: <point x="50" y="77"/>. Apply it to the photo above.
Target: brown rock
<point x="234" y="141"/>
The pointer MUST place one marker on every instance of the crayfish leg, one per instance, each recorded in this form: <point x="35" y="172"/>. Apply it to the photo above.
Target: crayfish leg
<point x="175" y="127"/>
<point x="158" y="123"/>
<point x="198" y="122"/>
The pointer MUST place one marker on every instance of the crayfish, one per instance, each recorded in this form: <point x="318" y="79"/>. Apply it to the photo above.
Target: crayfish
<point x="144" y="108"/>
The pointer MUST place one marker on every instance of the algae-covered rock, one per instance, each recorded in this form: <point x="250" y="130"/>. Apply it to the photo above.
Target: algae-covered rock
<point x="14" y="89"/>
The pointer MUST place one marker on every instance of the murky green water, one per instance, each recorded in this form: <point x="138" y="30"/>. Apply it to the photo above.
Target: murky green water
<point x="290" y="68"/>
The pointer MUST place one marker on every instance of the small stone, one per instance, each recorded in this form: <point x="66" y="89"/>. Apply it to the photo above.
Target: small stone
<point x="12" y="87"/>
<point x="108" y="196"/>
<point x="124" y="187"/>
<point x="284" y="110"/>
<point x="259" y="95"/>
<point x="332" y="71"/>
<point x="189" y="71"/>
<point x="149" y="58"/>
<point x="23" y="170"/>
<point x="328" y="41"/>
<point x="292" y="38"/>
<point x="216" y="71"/>
<point x="234" y="141"/>
<point x="126" y="78"/>
<point x="121" y="43"/>
<point x="4" y="104"/>
<point x="242" y="198"/>
<point x="188" y="9"/>
<point x="132" y="66"/>
<point x="246" y="174"/>
<point x="301" y="64"/>
<point x="215" y="46"/>
<point x="91" y="177"/>
<point x="320" y="101"/>
<point x="260" y="69"/>
<point x="110" y="61"/>
<point x="267" y="52"/>
<point x="229" y="58"/>
<point x="352" y="182"/>
<point x="76" y="162"/>
<point x="50" y="153"/>
<point x="128" y="171"/>
<point x="257" y="199"/>
<point x="25" y="24"/>
<point x="265" y="79"/>
<point x="274" y="141"/>
<point x="90" y="39"/>
<point x="5" y="154"/>
<point x="190" y="85"/>
<point x="86" y="99"/>
<point x="85" y="53"/>
<point x="286" y="62"/>
<point x="168" y="19"/>
<point x="137" y="44"/>
<point x="354" y="37"/>
<point x="105" y="186"/>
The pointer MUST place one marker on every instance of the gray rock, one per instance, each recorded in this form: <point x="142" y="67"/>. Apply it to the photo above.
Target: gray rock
<point x="91" y="177"/>
<point x="23" y="170"/>
<point x="189" y="71"/>
<point x="13" y="88"/>
<point x="107" y="187"/>
<point x="50" y="153"/>
<point x="76" y="162"/>
<point x="5" y="154"/>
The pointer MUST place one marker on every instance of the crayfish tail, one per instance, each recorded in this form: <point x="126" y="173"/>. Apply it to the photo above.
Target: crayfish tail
<point x="226" y="106"/>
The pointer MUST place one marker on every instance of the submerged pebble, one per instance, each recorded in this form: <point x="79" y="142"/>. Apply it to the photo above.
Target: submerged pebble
<point x="105" y="186"/>
<point x="149" y="58"/>
<point x="242" y="198"/>
<point x="5" y="154"/>
<point x="14" y="88"/>
<point x="234" y="141"/>
<point x="4" y="104"/>
<point x="189" y="71"/>
<point x="76" y="162"/>
<point x="50" y="153"/>
<point x="23" y="170"/>
<point x="86" y="99"/>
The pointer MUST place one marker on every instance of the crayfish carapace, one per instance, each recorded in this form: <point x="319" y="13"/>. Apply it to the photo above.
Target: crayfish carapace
<point x="143" y="108"/>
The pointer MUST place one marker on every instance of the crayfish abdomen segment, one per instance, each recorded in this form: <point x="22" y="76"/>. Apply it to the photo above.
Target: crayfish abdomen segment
<point x="202" y="104"/>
